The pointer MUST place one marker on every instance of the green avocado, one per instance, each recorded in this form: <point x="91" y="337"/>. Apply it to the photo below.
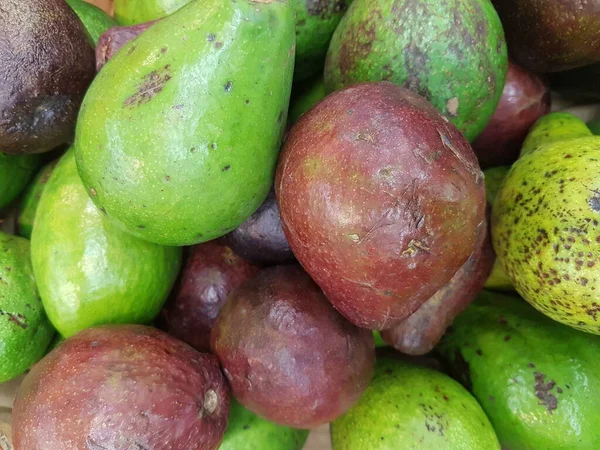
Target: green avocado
<point x="88" y="271"/>
<point x="538" y="381"/>
<point x="15" y="173"/>
<point x="412" y="407"/>
<point x="594" y="125"/>
<point x="247" y="431"/>
<point x="304" y="97"/>
<point x="25" y="331"/>
<point x="498" y="280"/>
<point x="184" y="148"/>
<point x="93" y="18"/>
<point x="31" y="199"/>
<point x="132" y="12"/>
<point x="451" y="52"/>
<point x="545" y="222"/>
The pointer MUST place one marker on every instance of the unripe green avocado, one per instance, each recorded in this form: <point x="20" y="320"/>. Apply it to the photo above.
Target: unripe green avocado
<point x="93" y="18"/>
<point x="537" y="380"/>
<point x="132" y="12"/>
<point x="88" y="271"/>
<point x="15" y="173"/>
<point x="545" y="222"/>
<point x="179" y="134"/>
<point x="410" y="407"/>
<point x="25" y="331"/>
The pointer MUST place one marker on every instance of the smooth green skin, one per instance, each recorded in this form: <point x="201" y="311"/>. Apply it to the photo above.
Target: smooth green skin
<point x="594" y="126"/>
<point x="379" y="342"/>
<point x="554" y="127"/>
<point x="247" y="431"/>
<point x="93" y="18"/>
<point x="316" y="21"/>
<point x="31" y="199"/>
<point x="306" y="97"/>
<point x="505" y="343"/>
<point x="132" y="12"/>
<point x="90" y="272"/>
<point x="460" y="67"/>
<point x="25" y="331"/>
<point x="184" y="148"/>
<point x="409" y="407"/>
<point x="498" y="280"/>
<point x="545" y="226"/>
<point x="15" y="173"/>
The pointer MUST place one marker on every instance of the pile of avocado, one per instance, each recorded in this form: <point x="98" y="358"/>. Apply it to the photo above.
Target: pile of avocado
<point x="224" y="223"/>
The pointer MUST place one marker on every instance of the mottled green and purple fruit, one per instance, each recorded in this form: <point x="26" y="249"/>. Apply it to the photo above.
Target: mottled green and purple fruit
<point x="452" y="52"/>
<point x="538" y="381"/>
<point x="184" y="148"/>
<point x="407" y="407"/>
<point x="546" y="222"/>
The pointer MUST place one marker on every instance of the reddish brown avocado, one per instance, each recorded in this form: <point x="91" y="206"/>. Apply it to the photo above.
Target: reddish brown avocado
<point x="381" y="199"/>
<point x="122" y="387"/>
<point x="289" y="356"/>
<point x="114" y="38"/>
<point x="46" y="66"/>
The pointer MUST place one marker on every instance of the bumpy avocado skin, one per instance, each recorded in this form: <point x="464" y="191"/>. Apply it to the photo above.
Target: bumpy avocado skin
<point x="25" y="331"/>
<point x="537" y="380"/>
<point x="132" y="12"/>
<point x="545" y="226"/>
<point x="93" y="18"/>
<point x="184" y="148"/>
<point x="247" y="431"/>
<point x="409" y="407"/>
<point x="452" y="52"/>
<point x="31" y="199"/>
<point x="15" y="173"/>
<point x="88" y="271"/>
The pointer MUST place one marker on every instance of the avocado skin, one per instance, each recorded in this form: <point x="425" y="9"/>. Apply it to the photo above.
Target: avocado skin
<point x="133" y="12"/>
<point x="304" y="97"/>
<point x="247" y="431"/>
<point x="184" y="148"/>
<point x="413" y="407"/>
<point x="25" y="331"/>
<point x="537" y="380"/>
<point x="15" y="173"/>
<point x="452" y="52"/>
<point x="88" y="271"/>
<point x="41" y="89"/>
<point x="93" y="18"/>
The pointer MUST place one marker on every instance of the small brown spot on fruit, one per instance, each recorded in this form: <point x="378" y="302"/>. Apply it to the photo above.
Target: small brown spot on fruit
<point x="228" y="86"/>
<point x="167" y="178"/>
<point x="211" y="37"/>
<point x="93" y="192"/>
<point x="452" y="106"/>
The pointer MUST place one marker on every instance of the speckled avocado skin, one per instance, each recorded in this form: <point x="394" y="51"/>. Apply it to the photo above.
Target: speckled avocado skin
<point x="537" y="380"/>
<point x="558" y="126"/>
<point x="184" y="148"/>
<point x="452" y="52"/>
<point x="545" y="228"/>
<point x="408" y="407"/>
<point x="25" y="331"/>
<point x="88" y="271"/>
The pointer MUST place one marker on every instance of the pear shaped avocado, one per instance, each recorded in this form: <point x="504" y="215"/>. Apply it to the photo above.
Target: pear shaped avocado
<point x="25" y="331"/>
<point x="409" y="407"/>
<point x="184" y="148"/>
<point x="545" y="222"/>
<point x="46" y="65"/>
<point x="451" y="52"/>
<point x="15" y="173"/>
<point x="90" y="272"/>
<point x="537" y="380"/>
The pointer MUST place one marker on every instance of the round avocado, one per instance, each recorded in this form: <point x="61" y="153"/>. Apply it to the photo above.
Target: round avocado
<point x="25" y="331"/>
<point x="409" y="407"/>
<point x="15" y="173"/>
<point x="93" y="18"/>
<point x="89" y="271"/>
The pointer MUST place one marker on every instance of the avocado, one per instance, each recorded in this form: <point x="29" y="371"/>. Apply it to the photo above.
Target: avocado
<point x="594" y="125"/>
<point x="304" y="97"/>
<point x="25" y="331"/>
<point x="90" y="272"/>
<point x="31" y="199"/>
<point x="46" y="66"/>
<point x="545" y="221"/>
<point x="15" y="173"/>
<point x="247" y="431"/>
<point x="413" y="407"/>
<point x="93" y="18"/>
<point x="537" y="380"/>
<point x="451" y="52"/>
<point x="184" y="148"/>
<point x="133" y="12"/>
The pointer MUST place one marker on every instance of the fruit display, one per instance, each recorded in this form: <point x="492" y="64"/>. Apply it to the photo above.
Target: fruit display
<point x="299" y="224"/>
